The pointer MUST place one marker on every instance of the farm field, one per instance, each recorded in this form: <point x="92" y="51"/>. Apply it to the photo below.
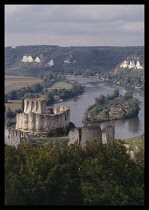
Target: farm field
<point x="13" y="104"/>
<point x="17" y="82"/>
<point x="61" y="85"/>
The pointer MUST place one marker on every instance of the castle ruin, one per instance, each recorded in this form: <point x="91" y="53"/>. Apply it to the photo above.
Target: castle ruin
<point x="14" y="137"/>
<point x="36" y="118"/>
<point x="86" y="133"/>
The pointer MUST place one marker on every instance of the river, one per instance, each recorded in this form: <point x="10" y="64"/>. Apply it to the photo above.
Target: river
<point x="125" y="128"/>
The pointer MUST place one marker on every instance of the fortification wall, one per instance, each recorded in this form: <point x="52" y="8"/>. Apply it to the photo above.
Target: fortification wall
<point x="36" y="105"/>
<point x="74" y="135"/>
<point x="90" y="132"/>
<point x="35" y="122"/>
<point x="12" y="137"/>
<point x="108" y="133"/>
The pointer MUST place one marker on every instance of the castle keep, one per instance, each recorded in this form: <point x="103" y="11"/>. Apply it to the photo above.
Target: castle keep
<point x="36" y="118"/>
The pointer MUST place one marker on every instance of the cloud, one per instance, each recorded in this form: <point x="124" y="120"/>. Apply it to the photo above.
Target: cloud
<point x="74" y="20"/>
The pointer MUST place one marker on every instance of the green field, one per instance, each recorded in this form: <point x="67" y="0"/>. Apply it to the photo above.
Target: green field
<point x="61" y="85"/>
<point x="14" y="104"/>
<point x="132" y="139"/>
<point x="17" y="82"/>
<point x="136" y="143"/>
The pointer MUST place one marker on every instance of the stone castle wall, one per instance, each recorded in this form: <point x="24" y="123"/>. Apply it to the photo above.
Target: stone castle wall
<point x="108" y="133"/>
<point x="36" y="119"/>
<point x="74" y="135"/>
<point x="12" y="136"/>
<point x="35" y="105"/>
<point x="87" y="133"/>
<point x="90" y="132"/>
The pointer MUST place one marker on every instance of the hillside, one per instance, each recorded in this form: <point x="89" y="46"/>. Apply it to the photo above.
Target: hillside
<point x="88" y="61"/>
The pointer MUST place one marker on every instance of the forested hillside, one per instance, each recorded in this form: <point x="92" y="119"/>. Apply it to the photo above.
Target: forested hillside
<point x="86" y="61"/>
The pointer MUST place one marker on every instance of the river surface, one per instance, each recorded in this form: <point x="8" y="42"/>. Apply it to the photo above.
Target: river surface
<point x="125" y="128"/>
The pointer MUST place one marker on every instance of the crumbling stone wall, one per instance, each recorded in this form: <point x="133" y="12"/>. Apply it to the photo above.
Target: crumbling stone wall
<point x="36" y="105"/>
<point x="108" y="133"/>
<point x="12" y="136"/>
<point x="89" y="132"/>
<point x="74" y="135"/>
<point x="36" y="119"/>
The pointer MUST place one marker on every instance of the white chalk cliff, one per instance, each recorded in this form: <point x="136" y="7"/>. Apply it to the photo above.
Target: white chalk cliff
<point x="37" y="59"/>
<point x="131" y="64"/>
<point x="51" y="63"/>
<point x="27" y="58"/>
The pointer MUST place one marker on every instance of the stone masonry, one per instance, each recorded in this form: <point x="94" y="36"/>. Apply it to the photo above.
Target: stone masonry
<point x="86" y="133"/>
<point x="36" y="118"/>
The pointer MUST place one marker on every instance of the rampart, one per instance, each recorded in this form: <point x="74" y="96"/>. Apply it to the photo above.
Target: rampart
<point x="36" y="118"/>
<point x="108" y="133"/>
<point x="13" y="137"/>
<point x="86" y="133"/>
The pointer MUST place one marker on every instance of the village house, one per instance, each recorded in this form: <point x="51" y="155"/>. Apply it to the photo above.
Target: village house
<point x="115" y="111"/>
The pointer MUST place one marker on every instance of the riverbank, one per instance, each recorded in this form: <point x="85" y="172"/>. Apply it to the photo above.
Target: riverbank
<point x="94" y="87"/>
<point x="112" y="107"/>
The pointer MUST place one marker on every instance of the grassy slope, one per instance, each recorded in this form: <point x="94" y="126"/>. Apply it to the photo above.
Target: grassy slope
<point x="135" y="143"/>
<point x="61" y="85"/>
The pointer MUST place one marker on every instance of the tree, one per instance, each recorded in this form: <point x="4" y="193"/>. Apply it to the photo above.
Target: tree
<point x="133" y="107"/>
<point x="50" y="98"/>
<point x="13" y="95"/>
<point x="128" y="95"/>
<point x="10" y="113"/>
<point x="115" y="93"/>
<point x="37" y="88"/>
<point x="58" y="174"/>
<point x="100" y="100"/>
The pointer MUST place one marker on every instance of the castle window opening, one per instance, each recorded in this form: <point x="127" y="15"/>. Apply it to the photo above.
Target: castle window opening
<point x="27" y="105"/>
<point x="36" y="106"/>
<point x="32" y="104"/>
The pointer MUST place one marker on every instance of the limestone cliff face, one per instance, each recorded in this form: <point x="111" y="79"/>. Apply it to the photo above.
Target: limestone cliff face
<point x="36" y="119"/>
<point x="131" y="63"/>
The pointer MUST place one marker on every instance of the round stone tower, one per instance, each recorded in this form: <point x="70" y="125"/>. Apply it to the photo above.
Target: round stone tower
<point x="36" y="105"/>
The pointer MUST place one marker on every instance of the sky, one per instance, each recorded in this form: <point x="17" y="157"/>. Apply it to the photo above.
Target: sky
<point x="74" y="25"/>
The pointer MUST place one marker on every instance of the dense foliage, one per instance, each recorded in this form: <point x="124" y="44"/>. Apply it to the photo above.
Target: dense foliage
<point x="64" y="93"/>
<point x="86" y="61"/>
<point x="55" y="174"/>
<point x="128" y="78"/>
<point x="112" y="107"/>
<point x="38" y="89"/>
